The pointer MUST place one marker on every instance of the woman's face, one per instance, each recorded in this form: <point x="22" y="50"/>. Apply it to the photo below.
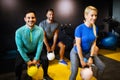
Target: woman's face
<point x="91" y="17"/>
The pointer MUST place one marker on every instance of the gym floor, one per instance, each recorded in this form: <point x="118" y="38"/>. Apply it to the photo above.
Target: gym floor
<point x="111" y="58"/>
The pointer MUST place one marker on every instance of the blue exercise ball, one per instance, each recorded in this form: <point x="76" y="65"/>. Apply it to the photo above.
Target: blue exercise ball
<point x="109" y="41"/>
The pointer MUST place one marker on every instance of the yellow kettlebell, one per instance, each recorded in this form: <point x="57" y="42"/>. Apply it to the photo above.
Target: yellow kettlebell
<point x="32" y="70"/>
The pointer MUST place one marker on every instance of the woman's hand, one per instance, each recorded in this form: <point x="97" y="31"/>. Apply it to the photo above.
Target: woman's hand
<point x="90" y="61"/>
<point x="83" y="64"/>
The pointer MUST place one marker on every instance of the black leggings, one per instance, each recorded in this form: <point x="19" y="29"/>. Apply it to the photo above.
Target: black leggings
<point x="20" y="63"/>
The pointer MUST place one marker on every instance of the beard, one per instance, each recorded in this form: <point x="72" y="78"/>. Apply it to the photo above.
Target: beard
<point x="31" y="23"/>
<point x="51" y="19"/>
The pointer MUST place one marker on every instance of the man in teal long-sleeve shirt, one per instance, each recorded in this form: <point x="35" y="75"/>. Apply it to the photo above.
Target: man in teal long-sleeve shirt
<point x="29" y="41"/>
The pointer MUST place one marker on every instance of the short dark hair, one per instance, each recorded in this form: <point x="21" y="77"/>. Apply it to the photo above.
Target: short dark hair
<point x="50" y="10"/>
<point x="30" y="11"/>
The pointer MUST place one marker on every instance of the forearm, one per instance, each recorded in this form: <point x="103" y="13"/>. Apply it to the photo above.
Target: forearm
<point x="93" y="48"/>
<point x="79" y="49"/>
<point x="39" y="47"/>
<point x="46" y="42"/>
<point x="80" y="52"/>
<point x="83" y="63"/>
<point x="20" y="47"/>
<point x="23" y="54"/>
<point x="55" y="39"/>
<point x="39" y="50"/>
<point x="90" y="60"/>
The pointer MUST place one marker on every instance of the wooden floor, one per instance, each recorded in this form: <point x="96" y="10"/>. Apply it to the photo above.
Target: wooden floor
<point x="111" y="58"/>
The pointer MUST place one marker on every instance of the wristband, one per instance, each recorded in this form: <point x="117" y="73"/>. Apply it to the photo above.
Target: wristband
<point x="92" y="57"/>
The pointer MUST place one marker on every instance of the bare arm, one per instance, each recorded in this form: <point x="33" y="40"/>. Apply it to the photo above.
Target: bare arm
<point x="93" y="48"/>
<point x="78" y="42"/>
<point x="55" y="39"/>
<point x="90" y="60"/>
<point x="46" y="42"/>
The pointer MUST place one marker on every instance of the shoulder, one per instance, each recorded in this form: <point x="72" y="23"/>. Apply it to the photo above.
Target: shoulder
<point x="56" y="22"/>
<point x="42" y="22"/>
<point x="80" y="27"/>
<point x="20" y="29"/>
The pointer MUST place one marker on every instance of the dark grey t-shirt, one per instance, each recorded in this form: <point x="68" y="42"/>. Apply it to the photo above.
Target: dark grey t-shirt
<point x="49" y="28"/>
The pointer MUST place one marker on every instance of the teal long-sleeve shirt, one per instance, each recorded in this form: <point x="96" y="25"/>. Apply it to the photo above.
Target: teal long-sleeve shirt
<point x="29" y="40"/>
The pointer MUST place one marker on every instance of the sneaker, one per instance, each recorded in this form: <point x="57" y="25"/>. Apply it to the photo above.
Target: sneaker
<point x="47" y="78"/>
<point x="63" y="62"/>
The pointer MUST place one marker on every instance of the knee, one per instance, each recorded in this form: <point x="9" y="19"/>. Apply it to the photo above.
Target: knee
<point x="103" y="67"/>
<point x="62" y="46"/>
<point x="96" y="50"/>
